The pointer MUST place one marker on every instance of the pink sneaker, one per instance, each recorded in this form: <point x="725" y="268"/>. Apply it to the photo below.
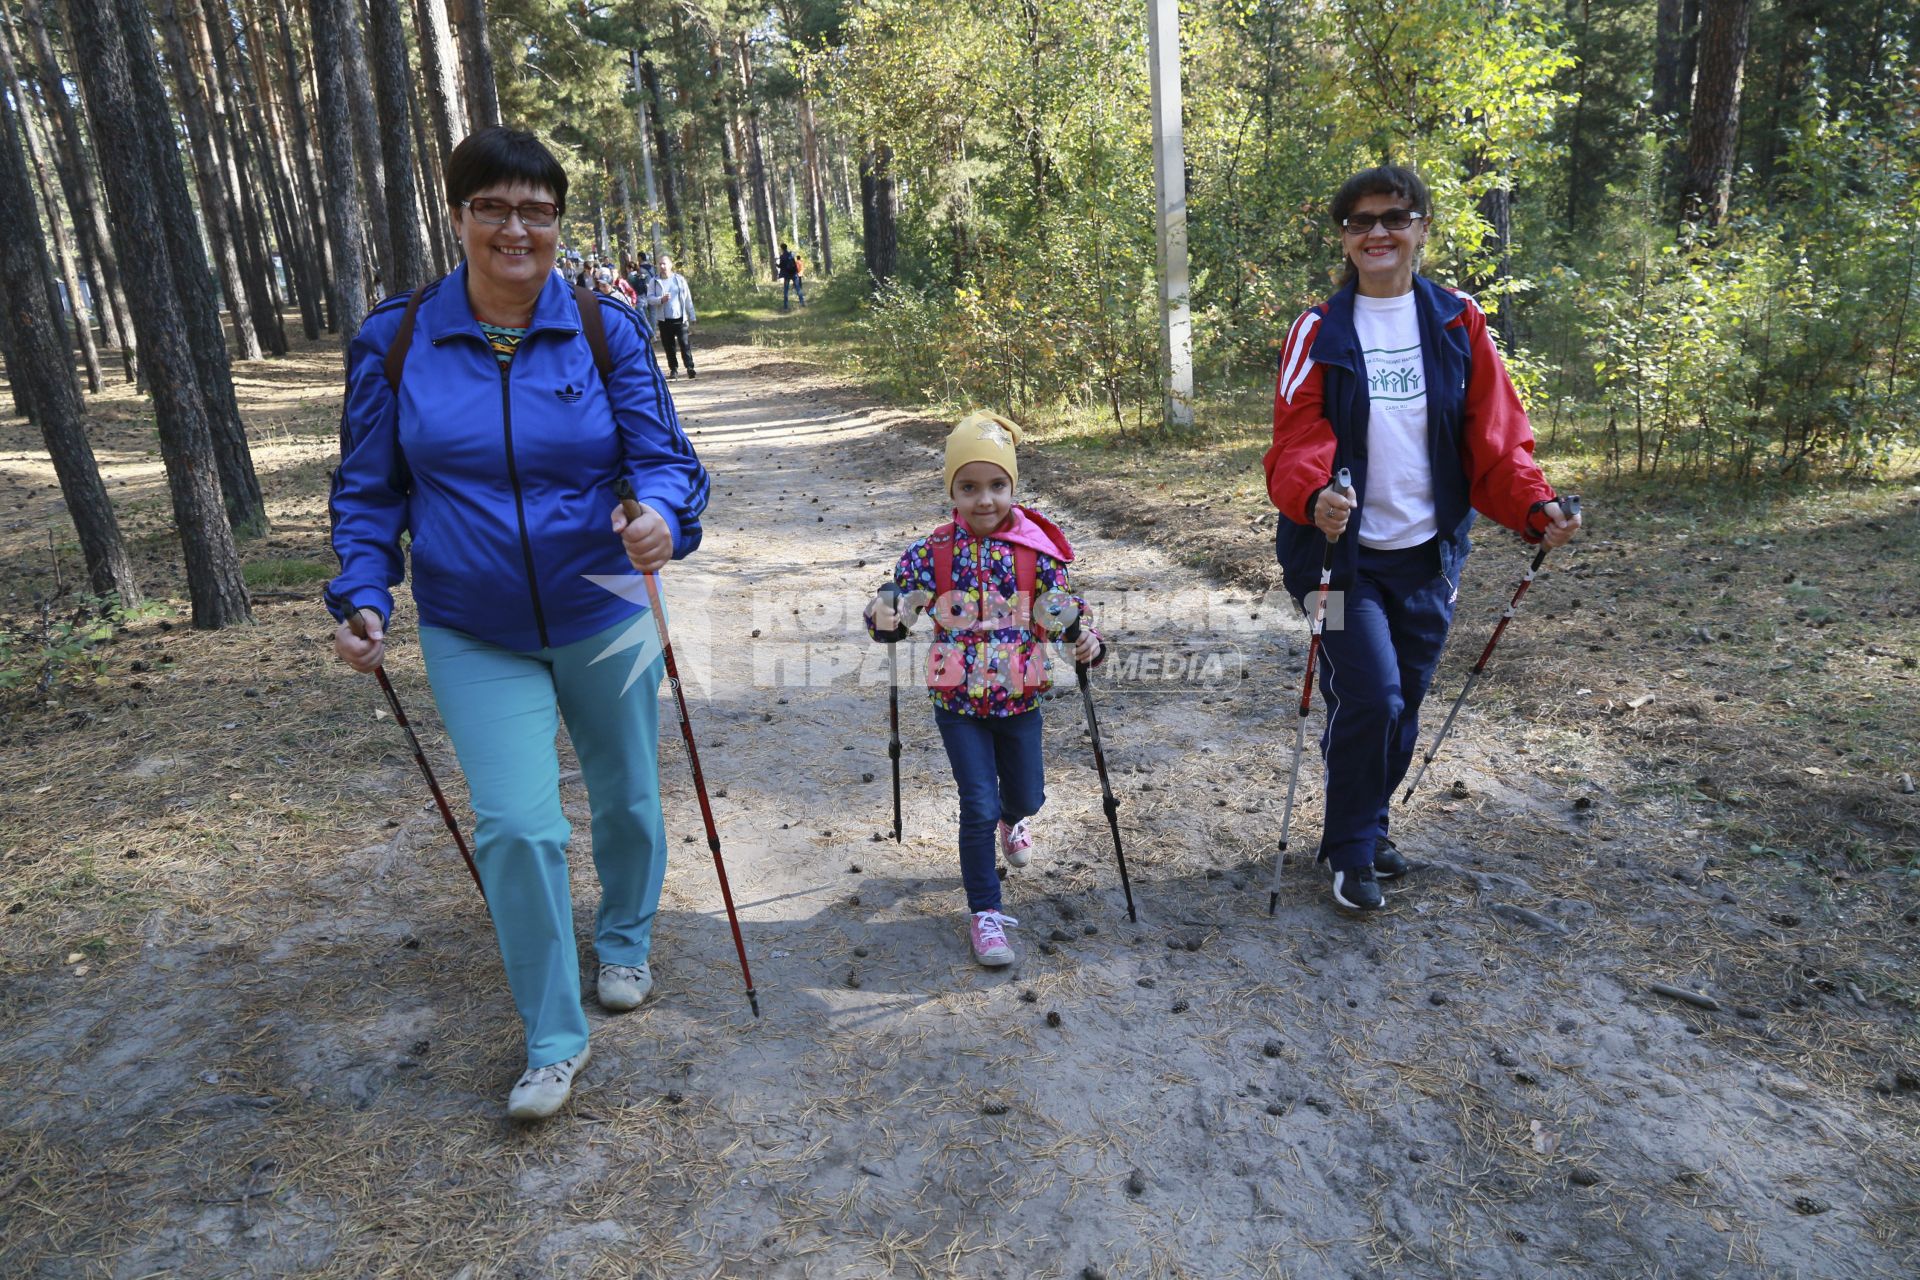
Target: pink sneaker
<point x="989" y="934"/>
<point x="1016" y="843"/>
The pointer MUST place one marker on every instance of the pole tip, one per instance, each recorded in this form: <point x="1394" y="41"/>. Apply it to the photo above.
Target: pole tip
<point x="753" y="1000"/>
<point x="1273" y="905"/>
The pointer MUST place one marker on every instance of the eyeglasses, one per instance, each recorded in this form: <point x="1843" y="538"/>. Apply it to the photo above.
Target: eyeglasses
<point x="1359" y="224"/>
<point x="494" y="213"/>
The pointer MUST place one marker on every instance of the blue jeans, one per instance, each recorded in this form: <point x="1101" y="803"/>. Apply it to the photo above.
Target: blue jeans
<point x="792" y="282"/>
<point x="997" y="767"/>
<point x="1374" y="673"/>
<point x="503" y="710"/>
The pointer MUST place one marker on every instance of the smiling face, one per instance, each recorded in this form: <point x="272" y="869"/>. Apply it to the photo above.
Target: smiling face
<point x="1384" y="259"/>
<point x="983" y="495"/>
<point x="512" y="258"/>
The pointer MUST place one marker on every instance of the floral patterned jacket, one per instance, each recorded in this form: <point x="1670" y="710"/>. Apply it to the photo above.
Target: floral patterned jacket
<point x="989" y="656"/>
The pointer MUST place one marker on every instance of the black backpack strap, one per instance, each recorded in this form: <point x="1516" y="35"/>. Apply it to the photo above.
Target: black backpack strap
<point x="595" y="327"/>
<point x="402" y="339"/>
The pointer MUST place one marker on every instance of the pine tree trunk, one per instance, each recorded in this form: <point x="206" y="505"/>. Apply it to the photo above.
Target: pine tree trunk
<point x="214" y="208"/>
<point x="1669" y="93"/>
<point x="291" y="226"/>
<point x="766" y="221"/>
<point x="1715" y="130"/>
<point x="439" y="66"/>
<point x="125" y="101"/>
<point x="476" y="58"/>
<point x="429" y="186"/>
<point x="879" y="212"/>
<point x="129" y="339"/>
<point x="35" y="346"/>
<point x="630" y="247"/>
<point x="63" y="265"/>
<point x="335" y="126"/>
<point x="662" y="152"/>
<point x="817" y="223"/>
<point x="210" y="25"/>
<point x="387" y="51"/>
<point x="303" y="165"/>
<point x="368" y="158"/>
<point x="193" y="281"/>
<point x="83" y="197"/>
<point x="730" y="166"/>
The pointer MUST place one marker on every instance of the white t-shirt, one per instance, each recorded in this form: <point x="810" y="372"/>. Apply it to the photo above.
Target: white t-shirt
<point x="1399" y="507"/>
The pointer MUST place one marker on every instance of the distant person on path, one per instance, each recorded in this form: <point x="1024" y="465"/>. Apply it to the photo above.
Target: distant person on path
<point x="989" y="665"/>
<point x="789" y="271"/>
<point x="1396" y="378"/>
<point x="673" y="306"/>
<point x="496" y="445"/>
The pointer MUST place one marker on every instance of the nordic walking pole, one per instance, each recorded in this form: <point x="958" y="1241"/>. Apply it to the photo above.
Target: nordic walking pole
<point x="358" y="626"/>
<point x="891" y="595"/>
<point x="1570" y="508"/>
<point x="631" y="506"/>
<point x="1343" y="483"/>
<point x="1112" y="806"/>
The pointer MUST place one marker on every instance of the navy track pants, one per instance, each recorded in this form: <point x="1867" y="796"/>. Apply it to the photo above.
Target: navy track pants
<point x="1374" y="672"/>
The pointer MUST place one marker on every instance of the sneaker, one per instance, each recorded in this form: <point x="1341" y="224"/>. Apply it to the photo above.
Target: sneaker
<point x="989" y="934"/>
<point x="1016" y="843"/>
<point x="624" y="986"/>
<point x="1388" y="862"/>
<point x="1357" y="891"/>
<point x="544" y="1090"/>
<point x="692" y="374"/>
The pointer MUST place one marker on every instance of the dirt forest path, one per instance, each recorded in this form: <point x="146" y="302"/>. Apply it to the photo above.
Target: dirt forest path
<point x="304" y="1074"/>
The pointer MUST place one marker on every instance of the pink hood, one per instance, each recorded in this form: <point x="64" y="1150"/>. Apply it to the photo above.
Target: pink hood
<point x="1028" y="528"/>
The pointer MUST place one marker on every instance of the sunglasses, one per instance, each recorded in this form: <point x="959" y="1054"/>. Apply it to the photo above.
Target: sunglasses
<point x="1393" y="220"/>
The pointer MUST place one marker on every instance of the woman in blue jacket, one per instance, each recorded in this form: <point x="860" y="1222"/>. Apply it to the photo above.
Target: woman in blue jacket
<point x="496" y="445"/>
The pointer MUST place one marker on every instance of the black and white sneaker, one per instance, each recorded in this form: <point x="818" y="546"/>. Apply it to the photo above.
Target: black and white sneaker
<point x="1357" y="891"/>
<point x="1388" y="862"/>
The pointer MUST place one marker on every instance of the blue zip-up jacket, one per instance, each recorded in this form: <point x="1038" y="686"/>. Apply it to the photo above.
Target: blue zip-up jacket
<point x="504" y="481"/>
<point x="1478" y="437"/>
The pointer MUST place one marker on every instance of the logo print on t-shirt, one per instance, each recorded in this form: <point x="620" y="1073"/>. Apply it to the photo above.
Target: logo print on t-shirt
<point x="568" y="394"/>
<point x="1395" y="377"/>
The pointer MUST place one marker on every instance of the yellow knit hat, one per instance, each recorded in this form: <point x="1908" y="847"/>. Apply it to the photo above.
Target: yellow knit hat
<point x="983" y="436"/>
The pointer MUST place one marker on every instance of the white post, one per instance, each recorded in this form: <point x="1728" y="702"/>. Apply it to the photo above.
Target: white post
<point x="1170" y="189"/>
<point x="646" y="157"/>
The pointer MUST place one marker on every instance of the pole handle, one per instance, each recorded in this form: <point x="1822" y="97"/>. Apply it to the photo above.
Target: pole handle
<point x="889" y="594"/>
<point x="1343" y="484"/>
<point x="623" y="490"/>
<point x="1569" y="504"/>
<point x="356" y="623"/>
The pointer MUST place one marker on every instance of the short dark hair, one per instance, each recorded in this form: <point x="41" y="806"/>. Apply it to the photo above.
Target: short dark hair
<point x="497" y="154"/>
<point x="1384" y="180"/>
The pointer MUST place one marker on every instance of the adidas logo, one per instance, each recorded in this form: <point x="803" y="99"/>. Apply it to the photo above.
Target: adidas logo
<point x="568" y="394"/>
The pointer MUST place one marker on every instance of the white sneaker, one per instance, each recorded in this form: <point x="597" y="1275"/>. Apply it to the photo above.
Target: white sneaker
<point x="544" y="1090"/>
<point x="624" y="986"/>
<point x="1016" y="843"/>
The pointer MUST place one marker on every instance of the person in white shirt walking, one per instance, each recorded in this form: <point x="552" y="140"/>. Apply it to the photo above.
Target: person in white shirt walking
<point x="1396" y="379"/>
<point x="672" y="303"/>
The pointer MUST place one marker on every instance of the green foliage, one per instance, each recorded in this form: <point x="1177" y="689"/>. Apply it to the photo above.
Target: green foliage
<point x="36" y="655"/>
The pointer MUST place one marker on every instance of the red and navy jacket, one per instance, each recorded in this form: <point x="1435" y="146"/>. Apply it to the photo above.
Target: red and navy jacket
<point x="1478" y="436"/>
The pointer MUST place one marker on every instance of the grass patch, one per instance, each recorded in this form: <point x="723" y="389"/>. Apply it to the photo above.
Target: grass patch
<point x="281" y="572"/>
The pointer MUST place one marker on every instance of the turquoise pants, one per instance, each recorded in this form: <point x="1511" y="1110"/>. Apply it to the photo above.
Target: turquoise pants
<point x="503" y="710"/>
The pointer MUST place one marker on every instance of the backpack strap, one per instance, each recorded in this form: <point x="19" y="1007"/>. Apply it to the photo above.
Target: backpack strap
<point x="402" y="339"/>
<point x="593" y="324"/>
<point x="941" y="540"/>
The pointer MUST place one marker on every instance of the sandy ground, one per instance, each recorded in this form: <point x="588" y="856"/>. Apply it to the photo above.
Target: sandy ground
<point x="302" y="1072"/>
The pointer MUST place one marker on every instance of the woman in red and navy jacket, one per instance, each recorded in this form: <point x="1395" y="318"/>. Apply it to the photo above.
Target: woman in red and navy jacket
<point x="1396" y="379"/>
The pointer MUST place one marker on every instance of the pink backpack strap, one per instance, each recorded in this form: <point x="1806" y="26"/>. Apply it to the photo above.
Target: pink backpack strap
<point x="941" y="540"/>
